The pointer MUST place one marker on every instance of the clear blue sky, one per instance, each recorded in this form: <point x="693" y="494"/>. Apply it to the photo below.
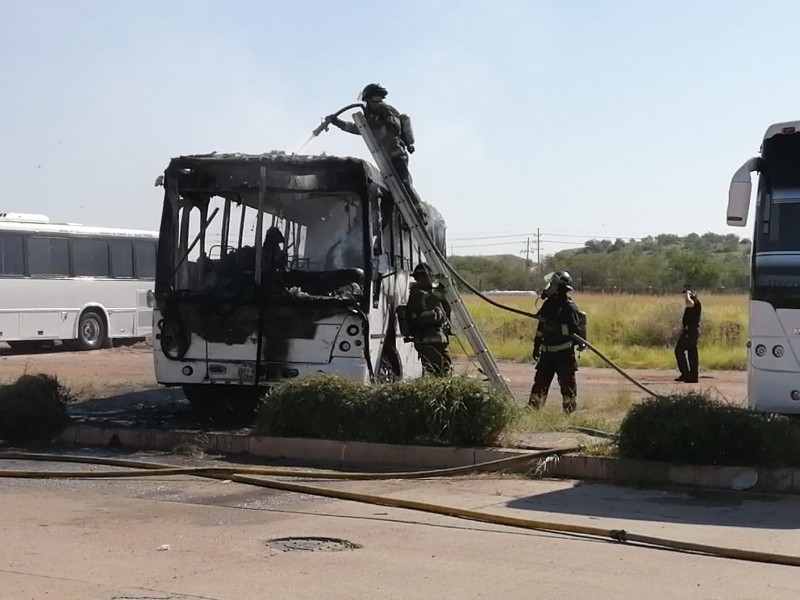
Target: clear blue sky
<point x="599" y="118"/>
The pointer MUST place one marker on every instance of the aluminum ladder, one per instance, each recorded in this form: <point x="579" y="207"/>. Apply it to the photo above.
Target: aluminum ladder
<point x="460" y="317"/>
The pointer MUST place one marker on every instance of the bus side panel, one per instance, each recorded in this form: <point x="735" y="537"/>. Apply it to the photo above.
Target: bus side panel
<point x="68" y="324"/>
<point x="9" y="325"/>
<point x="122" y="323"/>
<point x="40" y="324"/>
<point x="50" y="308"/>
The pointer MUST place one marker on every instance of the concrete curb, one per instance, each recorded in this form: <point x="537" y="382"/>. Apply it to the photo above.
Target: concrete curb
<point x="392" y="456"/>
<point x="329" y="452"/>
<point x="642" y="472"/>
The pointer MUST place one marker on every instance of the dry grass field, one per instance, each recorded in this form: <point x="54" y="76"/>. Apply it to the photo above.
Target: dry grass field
<point x="635" y="331"/>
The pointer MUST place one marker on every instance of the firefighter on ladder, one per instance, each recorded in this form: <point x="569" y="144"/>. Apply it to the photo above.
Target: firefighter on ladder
<point x="429" y="322"/>
<point x="553" y="346"/>
<point x="392" y="130"/>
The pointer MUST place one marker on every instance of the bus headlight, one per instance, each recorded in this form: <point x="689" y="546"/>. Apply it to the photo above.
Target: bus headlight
<point x="795" y="395"/>
<point x="187" y="370"/>
<point x="778" y="351"/>
<point x="344" y="346"/>
<point x="352" y="329"/>
<point x="761" y="350"/>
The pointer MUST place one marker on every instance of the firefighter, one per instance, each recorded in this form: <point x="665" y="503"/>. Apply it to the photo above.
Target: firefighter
<point x="392" y="130"/>
<point x="686" y="346"/>
<point x="429" y="322"/>
<point x="553" y="346"/>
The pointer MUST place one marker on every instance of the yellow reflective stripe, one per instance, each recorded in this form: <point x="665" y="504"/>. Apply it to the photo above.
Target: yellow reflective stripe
<point x="558" y="348"/>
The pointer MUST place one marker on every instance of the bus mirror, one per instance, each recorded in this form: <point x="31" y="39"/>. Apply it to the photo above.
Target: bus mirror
<point x="159" y="181"/>
<point x="739" y="193"/>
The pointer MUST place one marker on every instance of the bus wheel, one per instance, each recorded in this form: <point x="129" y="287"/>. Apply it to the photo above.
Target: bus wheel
<point x="227" y="403"/>
<point x="91" y="331"/>
<point x="388" y="367"/>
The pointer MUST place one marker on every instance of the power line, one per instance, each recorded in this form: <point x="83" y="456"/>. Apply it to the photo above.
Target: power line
<point x="485" y="245"/>
<point x="492" y="237"/>
<point x="533" y="234"/>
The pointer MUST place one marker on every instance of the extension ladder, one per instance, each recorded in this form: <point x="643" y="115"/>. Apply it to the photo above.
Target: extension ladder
<point x="460" y="316"/>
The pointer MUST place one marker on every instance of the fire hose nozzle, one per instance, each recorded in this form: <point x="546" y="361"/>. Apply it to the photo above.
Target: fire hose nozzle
<point x="322" y="127"/>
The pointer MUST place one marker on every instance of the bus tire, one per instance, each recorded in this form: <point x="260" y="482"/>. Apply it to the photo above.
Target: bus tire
<point x="92" y="331"/>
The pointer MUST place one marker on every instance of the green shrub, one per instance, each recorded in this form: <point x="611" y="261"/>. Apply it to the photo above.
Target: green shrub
<point x="694" y="429"/>
<point x="453" y="411"/>
<point x="321" y="406"/>
<point x="33" y="408"/>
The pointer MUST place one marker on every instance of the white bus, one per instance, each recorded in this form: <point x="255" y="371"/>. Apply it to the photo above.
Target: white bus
<point x="273" y="267"/>
<point x="82" y="285"/>
<point x="773" y="355"/>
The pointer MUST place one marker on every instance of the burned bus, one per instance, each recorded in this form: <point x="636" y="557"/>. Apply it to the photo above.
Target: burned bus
<point x="275" y="266"/>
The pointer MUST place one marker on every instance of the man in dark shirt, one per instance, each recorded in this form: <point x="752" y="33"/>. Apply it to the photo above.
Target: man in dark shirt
<point x="686" y="346"/>
<point x="553" y="346"/>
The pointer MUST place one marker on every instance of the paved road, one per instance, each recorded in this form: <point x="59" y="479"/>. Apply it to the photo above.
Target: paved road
<point x="93" y="540"/>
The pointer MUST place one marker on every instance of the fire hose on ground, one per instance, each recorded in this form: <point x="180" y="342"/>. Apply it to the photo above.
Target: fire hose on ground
<point x="253" y="476"/>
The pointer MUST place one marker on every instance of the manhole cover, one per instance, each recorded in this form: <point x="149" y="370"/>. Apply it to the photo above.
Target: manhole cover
<point x="311" y="544"/>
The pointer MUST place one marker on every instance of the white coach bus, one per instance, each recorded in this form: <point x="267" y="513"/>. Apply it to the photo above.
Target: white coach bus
<point x="773" y="361"/>
<point x="82" y="285"/>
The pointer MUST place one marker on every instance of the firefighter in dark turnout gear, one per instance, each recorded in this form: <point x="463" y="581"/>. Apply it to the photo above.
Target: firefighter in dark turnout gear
<point x="553" y="346"/>
<point x="392" y="130"/>
<point x="686" y="346"/>
<point x="429" y="322"/>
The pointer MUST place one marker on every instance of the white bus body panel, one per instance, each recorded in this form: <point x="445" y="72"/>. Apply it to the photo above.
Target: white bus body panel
<point x="234" y="364"/>
<point x="49" y="309"/>
<point x="771" y="379"/>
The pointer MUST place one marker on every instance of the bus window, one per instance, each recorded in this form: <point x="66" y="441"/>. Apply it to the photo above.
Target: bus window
<point x="11" y="256"/>
<point x="145" y="259"/>
<point x="47" y="256"/>
<point x="121" y="252"/>
<point x="89" y="257"/>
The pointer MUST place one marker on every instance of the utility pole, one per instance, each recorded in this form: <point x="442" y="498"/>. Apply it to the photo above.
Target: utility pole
<point x="539" y="251"/>
<point x="527" y="253"/>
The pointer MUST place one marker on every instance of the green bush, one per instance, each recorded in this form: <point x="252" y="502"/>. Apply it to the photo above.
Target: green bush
<point x="321" y="406"/>
<point x="694" y="429"/>
<point x="33" y="408"/>
<point x="454" y="411"/>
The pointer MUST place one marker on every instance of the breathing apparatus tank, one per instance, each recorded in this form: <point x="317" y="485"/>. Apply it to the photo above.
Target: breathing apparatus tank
<point x="406" y="131"/>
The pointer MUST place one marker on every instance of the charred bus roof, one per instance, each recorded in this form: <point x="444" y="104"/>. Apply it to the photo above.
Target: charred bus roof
<point x="231" y="173"/>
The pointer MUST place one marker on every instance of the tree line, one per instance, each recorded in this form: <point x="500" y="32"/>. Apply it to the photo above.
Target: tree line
<point x="655" y="264"/>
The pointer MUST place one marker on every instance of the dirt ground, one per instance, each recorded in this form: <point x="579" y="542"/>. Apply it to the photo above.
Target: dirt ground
<point x="114" y="371"/>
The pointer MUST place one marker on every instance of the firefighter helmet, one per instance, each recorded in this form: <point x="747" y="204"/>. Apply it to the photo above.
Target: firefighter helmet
<point x="374" y="89"/>
<point x="557" y="281"/>
<point x="421" y="269"/>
